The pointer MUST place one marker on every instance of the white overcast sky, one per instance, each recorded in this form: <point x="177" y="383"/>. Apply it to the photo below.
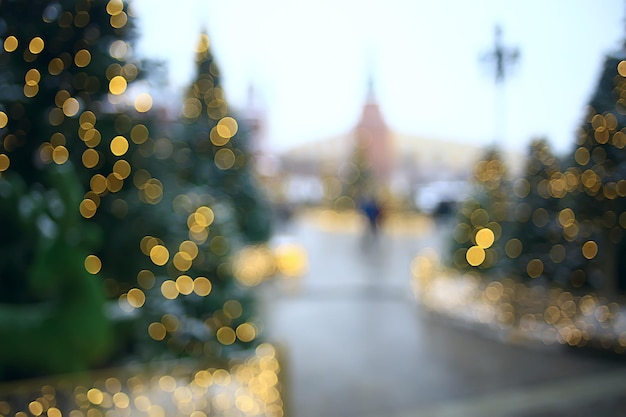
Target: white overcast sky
<point x="310" y="62"/>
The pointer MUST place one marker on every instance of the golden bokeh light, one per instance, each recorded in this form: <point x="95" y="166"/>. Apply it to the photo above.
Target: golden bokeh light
<point x="156" y="331"/>
<point x="590" y="249"/>
<point x="4" y="119"/>
<point x="56" y="66"/>
<point x="114" y="183"/>
<point x="121" y="169"/>
<point x="5" y="162"/>
<point x="88" y="208"/>
<point x="216" y="139"/>
<point x="227" y="127"/>
<point x="182" y="261"/>
<point x="139" y="134"/>
<point x="32" y="77"/>
<point x="31" y="90"/>
<point x="159" y="255"/>
<point x="167" y="383"/>
<point x="35" y="408"/>
<point x="45" y="152"/>
<point x="95" y="396"/>
<point x="192" y="107"/>
<point x="189" y="248"/>
<point x="202" y="286"/>
<point x="119" y="49"/>
<point x="130" y="71"/>
<point x="121" y="399"/>
<point x="87" y="120"/>
<point x="98" y="183"/>
<point x="10" y="43"/>
<point x="169" y="289"/>
<point x="475" y="255"/>
<point x="291" y="260"/>
<point x="82" y="58"/>
<point x="254" y="264"/>
<point x="621" y="68"/>
<point x="143" y="102"/>
<point x="136" y="297"/>
<point x="92" y="138"/>
<point x="115" y="7"/>
<point x="224" y="159"/>
<point x="226" y="335"/>
<point x="534" y="268"/>
<point x="93" y="264"/>
<point x="119" y="20"/>
<point x="143" y="403"/>
<point x="60" y="155"/>
<point x="205" y="216"/>
<point x="485" y="238"/>
<point x="36" y="45"/>
<point x="619" y="139"/>
<point x="113" y="385"/>
<point x="119" y="145"/>
<point x="117" y="85"/>
<point x="184" y="284"/>
<point x="566" y="217"/>
<point x="71" y="106"/>
<point x="60" y="97"/>
<point x="246" y="332"/>
<point x="54" y="412"/>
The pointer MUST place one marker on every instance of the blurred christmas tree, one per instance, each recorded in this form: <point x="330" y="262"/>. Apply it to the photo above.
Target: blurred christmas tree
<point x="482" y="217"/>
<point x="563" y="226"/>
<point x="534" y="242"/>
<point x="594" y="219"/>
<point x="215" y="148"/>
<point x="69" y="123"/>
<point x="198" y="303"/>
<point x="61" y="68"/>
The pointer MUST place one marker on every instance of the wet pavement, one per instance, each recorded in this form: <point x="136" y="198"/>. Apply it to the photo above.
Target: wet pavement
<point x="355" y="342"/>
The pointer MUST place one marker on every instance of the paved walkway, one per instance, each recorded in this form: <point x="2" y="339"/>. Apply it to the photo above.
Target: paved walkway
<point x="357" y="344"/>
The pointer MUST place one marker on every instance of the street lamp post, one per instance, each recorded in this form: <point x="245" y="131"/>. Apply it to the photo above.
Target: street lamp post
<point x="502" y="58"/>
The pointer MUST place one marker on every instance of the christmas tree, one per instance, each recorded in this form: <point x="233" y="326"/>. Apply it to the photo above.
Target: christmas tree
<point x="61" y="65"/>
<point x="197" y="302"/>
<point x="534" y="241"/>
<point x="70" y="125"/>
<point x="482" y="217"/>
<point x="594" y="219"/>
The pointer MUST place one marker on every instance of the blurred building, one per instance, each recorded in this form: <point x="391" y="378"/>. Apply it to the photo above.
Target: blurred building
<point x="411" y="169"/>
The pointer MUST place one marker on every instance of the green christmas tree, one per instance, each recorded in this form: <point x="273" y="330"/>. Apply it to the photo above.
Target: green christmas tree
<point x="534" y="241"/>
<point x="197" y="303"/>
<point x="481" y="218"/>
<point x="66" y="68"/>
<point x="594" y="219"/>
<point x="218" y="147"/>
